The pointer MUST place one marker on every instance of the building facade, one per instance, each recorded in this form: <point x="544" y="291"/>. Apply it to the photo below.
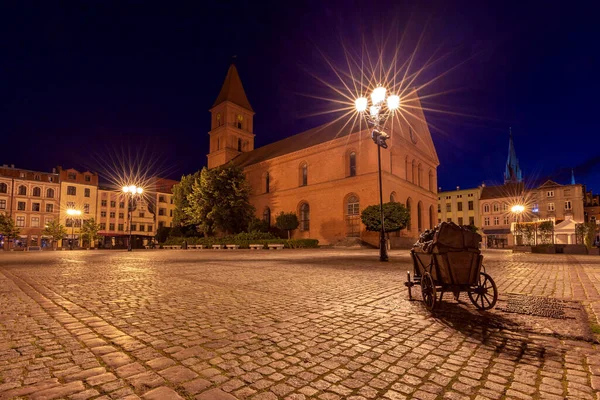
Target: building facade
<point x="162" y="201"/>
<point x="112" y="217"/>
<point x="328" y="175"/>
<point x="592" y="207"/>
<point x="78" y="191"/>
<point x="460" y="206"/>
<point x="32" y="199"/>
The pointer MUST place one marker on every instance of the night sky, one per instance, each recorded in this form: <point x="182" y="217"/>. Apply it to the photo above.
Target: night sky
<point x="85" y="82"/>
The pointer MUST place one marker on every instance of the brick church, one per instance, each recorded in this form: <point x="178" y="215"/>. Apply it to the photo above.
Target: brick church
<point x="328" y="174"/>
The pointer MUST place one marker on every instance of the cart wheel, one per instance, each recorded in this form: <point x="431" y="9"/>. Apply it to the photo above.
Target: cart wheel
<point x="485" y="294"/>
<point x="428" y="291"/>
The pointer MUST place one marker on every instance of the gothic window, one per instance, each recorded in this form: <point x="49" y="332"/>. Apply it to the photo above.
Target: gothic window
<point x="304" y="174"/>
<point x="218" y="119"/>
<point x="413" y="172"/>
<point x="50" y="193"/>
<point x="352" y="216"/>
<point x="393" y="197"/>
<point x="37" y="192"/>
<point x="22" y="190"/>
<point x="406" y="168"/>
<point x="3" y="187"/>
<point x="267" y="216"/>
<point x="304" y="217"/>
<point x="240" y="119"/>
<point x="419" y="173"/>
<point x="267" y="182"/>
<point x="353" y="164"/>
<point x="430" y="217"/>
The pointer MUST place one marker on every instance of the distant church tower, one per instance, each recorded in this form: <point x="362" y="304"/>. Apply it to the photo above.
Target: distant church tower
<point x="513" y="172"/>
<point x="231" y="128"/>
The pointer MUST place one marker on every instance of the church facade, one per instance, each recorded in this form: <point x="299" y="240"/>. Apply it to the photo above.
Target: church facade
<point x="328" y="175"/>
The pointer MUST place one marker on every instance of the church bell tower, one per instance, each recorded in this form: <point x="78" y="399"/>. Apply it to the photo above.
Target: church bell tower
<point x="231" y="124"/>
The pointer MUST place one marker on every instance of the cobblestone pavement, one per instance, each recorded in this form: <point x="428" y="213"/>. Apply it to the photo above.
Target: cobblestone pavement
<point x="326" y="324"/>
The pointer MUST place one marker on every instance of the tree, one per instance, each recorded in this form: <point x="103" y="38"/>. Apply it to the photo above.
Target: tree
<point x="162" y="234"/>
<point x="258" y="225"/>
<point x="8" y="228"/>
<point x="55" y="230"/>
<point x="219" y="201"/>
<point x="287" y="222"/>
<point x="396" y="217"/>
<point x="181" y="191"/>
<point x="546" y="230"/>
<point x="90" y="230"/>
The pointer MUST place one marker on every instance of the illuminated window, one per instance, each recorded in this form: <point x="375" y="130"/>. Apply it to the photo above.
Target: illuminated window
<point x="20" y="222"/>
<point x="35" y="222"/>
<point x="2" y="204"/>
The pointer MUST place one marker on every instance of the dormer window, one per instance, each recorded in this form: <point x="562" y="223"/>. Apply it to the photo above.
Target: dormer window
<point x="72" y="176"/>
<point x="240" y="119"/>
<point x="88" y="178"/>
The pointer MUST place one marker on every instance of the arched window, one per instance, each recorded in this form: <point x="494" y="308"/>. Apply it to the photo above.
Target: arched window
<point x="408" y="207"/>
<point x="303" y="174"/>
<point x="304" y="217"/>
<point x="352" y="216"/>
<point x="420" y="216"/>
<point x="240" y="119"/>
<point x="431" y="219"/>
<point x="496" y="207"/>
<point x="239" y="144"/>
<point x="413" y="172"/>
<point x="267" y="182"/>
<point x="419" y="174"/>
<point x="406" y="168"/>
<point x="486" y="208"/>
<point x="431" y="181"/>
<point x="267" y="215"/>
<point x="393" y="197"/>
<point x="50" y="193"/>
<point x="352" y="164"/>
<point x="218" y="119"/>
<point x="22" y="190"/>
<point x="3" y="187"/>
<point x="37" y="192"/>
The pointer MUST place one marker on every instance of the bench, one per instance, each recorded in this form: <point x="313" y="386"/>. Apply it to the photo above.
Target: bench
<point x="217" y="246"/>
<point x="34" y="248"/>
<point x="232" y="246"/>
<point x="172" y="247"/>
<point x="275" y="246"/>
<point x="257" y="246"/>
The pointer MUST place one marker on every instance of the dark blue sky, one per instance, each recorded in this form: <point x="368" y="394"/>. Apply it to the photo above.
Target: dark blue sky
<point x="83" y="81"/>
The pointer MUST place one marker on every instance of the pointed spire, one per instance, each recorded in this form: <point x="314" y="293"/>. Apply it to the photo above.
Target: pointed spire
<point x="572" y="177"/>
<point x="513" y="172"/>
<point x="233" y="90"/>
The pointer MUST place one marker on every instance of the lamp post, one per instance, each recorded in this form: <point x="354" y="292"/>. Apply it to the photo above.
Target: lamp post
<point x="381" y="108"/>
<point x="72" y="212"/>
<point x="517" y="210"/>
<point x="131" y="190"/>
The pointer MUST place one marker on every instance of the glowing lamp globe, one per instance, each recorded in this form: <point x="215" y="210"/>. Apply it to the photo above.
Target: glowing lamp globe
<point x="374" y="111"/>
<point x="132" y="188"/>
<point x="393" y="102"/>
<point x="378" y="95"/>
<point x="517" y="208"/>
<point x="140" y="190"/>
<point x="361" y="104"/>
<point x="125" y="189"/>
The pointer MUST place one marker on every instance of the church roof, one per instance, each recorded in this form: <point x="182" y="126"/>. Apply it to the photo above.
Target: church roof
<point x="513" y="172"/>
<point x="549" y="183"/>
<point x="233" y="91"/>
<point x="501" y="191"/>
<point x="300" y="141"/>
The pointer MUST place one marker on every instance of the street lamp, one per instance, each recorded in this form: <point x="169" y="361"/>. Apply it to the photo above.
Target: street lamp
<point x="133" y="191"/>
<point x="381" y="108"/>
<point x="72" y="212"/>
<point x="517" y="210"/>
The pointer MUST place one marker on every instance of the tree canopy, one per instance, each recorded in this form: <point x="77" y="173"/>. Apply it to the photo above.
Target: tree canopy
<point x="90" y="230"/>
<point x="181" y="191"/>
<point x="219" y="201"/>
<point x="287" y="222"/>
<point x="396" y="217"/>
<point x="55" y="230"/>
<point x="8" y="227"/>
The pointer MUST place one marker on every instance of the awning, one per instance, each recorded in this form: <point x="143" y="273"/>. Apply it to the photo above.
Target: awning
<point x="504" y="231"/>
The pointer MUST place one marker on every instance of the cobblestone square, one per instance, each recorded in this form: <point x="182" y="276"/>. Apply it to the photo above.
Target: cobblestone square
<point x="289" y="324"/>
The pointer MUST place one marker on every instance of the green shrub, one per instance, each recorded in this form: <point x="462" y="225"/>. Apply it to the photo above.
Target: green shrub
<point x="244" y="242"/>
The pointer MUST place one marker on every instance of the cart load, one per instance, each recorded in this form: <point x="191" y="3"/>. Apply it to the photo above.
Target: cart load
<point x="448" y="257"/>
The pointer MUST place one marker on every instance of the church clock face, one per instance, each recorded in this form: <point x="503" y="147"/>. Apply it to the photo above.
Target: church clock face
<point x="413" y="137"/>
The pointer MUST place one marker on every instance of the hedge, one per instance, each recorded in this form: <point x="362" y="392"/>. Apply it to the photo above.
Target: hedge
<point x="244" y="243"/>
